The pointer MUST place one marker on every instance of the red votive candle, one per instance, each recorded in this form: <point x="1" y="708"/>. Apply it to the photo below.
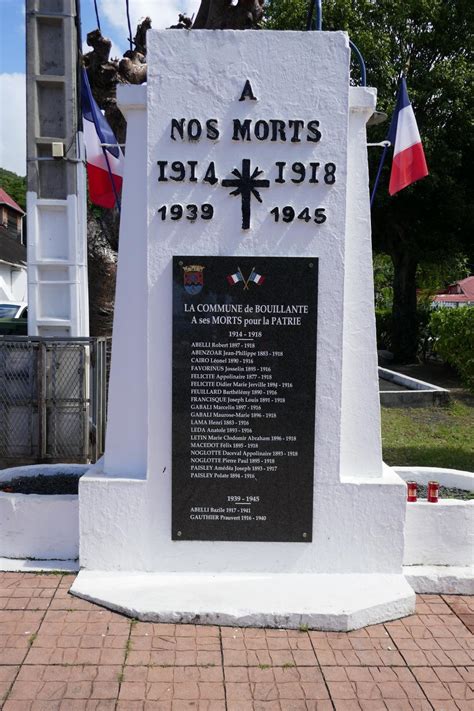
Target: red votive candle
<point x="411" y="490"/>
<point x="433" y="492"/>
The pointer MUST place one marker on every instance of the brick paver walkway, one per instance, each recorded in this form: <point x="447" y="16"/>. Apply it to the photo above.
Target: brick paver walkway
<point x="58" y="652"/>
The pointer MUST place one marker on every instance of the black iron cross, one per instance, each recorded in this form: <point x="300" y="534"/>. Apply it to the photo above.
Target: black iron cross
<point x="246" y="184"/>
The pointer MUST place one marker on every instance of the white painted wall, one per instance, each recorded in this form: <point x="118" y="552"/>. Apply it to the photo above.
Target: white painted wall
<point x="361" y="444"/>
<point x="12" y="282"/>
<point x="126" y="443"/>
<point x="39" y="527"/>
<point x="440" y="534"/>
<point x="359" y="505"/>
<point x="19" y="283"/>
<point x="43" y="527"/>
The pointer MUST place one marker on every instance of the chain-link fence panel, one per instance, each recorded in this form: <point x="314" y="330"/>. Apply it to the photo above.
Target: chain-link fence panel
<point x="67" y="400"/>
<point x="18" y="400"/>
<point x="52" y="399"/>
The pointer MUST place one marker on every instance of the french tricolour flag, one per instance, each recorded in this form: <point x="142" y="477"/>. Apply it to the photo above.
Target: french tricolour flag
<point x="256" y="278"/>
<point x="104" y="164"/>
<point x="409" y="162"/>
<point x="234" y="278"/>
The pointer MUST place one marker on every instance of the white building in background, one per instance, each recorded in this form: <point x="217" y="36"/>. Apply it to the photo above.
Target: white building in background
<point x="13" y="282"/>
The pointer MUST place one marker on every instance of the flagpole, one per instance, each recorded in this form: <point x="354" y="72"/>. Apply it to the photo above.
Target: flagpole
<point x="117" y="199"/>
<point x="379" y="172"/>
<point x="246" y="286"/>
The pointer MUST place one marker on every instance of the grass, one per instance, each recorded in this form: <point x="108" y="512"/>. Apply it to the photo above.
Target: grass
<point x="430" y="436"/>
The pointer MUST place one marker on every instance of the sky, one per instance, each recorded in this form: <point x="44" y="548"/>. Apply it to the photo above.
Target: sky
<point x="12" y="57"/>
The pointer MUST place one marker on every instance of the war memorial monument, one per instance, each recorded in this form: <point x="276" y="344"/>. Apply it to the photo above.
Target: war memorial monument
<point x="243" y="480"/>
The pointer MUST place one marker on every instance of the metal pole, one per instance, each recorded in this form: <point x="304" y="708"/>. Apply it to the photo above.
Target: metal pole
<point x="379" y="171"/>
<point x="117" y="199"/>
<point x="130" y="38"/>
<point x="315" y="5"/>
<point x="42" y="410"/>
<point x="363" y="71"/>
<point x="95" y="364"/>
<point x="319" y="14"/>
<point x="318" y="6"/>
<point x="78" y="68"/>
<point x="97" y="16"/>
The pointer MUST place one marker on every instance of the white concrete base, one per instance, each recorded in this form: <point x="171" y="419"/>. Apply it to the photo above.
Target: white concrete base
<point x="441" y="579"/>
<point x="418" y="393"/>
<point x="440" y="534"/>
<point x="39" y="526"/>
<point x="22" y="565"/>
<point x="327" y="602"/>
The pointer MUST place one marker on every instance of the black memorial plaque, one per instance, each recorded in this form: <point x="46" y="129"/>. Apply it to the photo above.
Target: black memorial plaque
<point x="244" y="363"/>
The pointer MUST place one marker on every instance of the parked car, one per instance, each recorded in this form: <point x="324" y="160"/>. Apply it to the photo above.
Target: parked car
<point x="13" y="318"/>
<point x="10" y="309"/>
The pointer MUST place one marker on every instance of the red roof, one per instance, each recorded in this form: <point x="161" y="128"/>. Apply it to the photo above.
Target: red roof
<point x="467" y="286"/>
<point x="453" y="298"/>
<point x="5" y="199"/>
<point x="460" y="292"/>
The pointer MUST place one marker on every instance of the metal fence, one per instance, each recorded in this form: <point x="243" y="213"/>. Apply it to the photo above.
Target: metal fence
<point x="53" y="398"/>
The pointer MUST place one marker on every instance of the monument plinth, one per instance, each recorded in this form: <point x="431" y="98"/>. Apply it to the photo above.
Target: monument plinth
<point x="243" y="480"/>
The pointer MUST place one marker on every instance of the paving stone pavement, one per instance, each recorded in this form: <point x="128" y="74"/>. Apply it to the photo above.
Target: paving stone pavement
<point x="59" y="653"/>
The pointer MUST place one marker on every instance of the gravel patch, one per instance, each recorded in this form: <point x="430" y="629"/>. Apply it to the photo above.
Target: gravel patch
<point x="446" y="492"/>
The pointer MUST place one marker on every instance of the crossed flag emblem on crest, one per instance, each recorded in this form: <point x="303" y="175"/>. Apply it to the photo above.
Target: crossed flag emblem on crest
<point x="254" y="278"/>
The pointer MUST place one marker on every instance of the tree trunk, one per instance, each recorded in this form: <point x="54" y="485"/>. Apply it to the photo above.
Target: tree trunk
<point x="404" y="310"/>
<point x="223" y="15"/>
<point x="102" y="243"/>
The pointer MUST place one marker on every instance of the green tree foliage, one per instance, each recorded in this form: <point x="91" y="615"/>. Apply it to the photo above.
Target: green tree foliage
<point x="434" y="276"/>
<point x="14" y="185"/>
<point x="383" y="281"/>
<point x="286" y="14"/>
<point x="453" y="331"/>
<point x="431" y="42"/>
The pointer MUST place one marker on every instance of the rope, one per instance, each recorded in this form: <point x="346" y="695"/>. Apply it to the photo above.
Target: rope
<point x="97" y="16"/>
<point x="130" y="39"/>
